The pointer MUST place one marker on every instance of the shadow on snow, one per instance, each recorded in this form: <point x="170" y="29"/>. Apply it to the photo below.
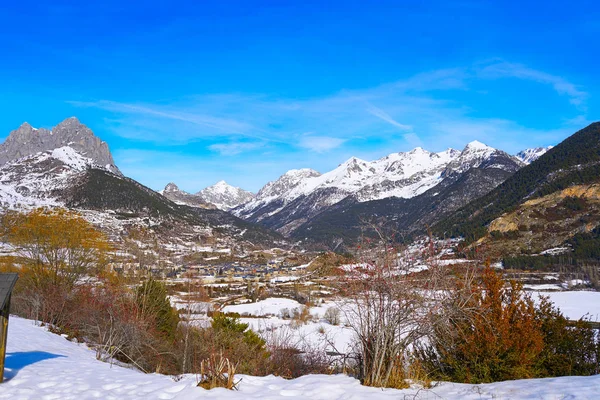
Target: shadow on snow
<point x="14" y="362"/>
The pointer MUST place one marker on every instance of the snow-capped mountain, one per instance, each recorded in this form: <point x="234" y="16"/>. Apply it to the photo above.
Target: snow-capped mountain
<point x="286" y="182"/>
<point x="530" y="155"/>
<point x="176" y="195"/>
<point x="224" y="196"/>
<point x="27" y="140"/>
<point x="302" y="194"/>
<point x="87" y="181"/>
<point x="37" y="179"/>
<point x="221" y="195"/>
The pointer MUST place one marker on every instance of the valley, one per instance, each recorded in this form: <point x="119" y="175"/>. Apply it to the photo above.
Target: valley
<point x="292" y="266"/>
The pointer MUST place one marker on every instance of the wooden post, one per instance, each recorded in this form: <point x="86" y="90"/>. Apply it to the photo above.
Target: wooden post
<point x="3" y="336"/>
<point x="7" y="283"/>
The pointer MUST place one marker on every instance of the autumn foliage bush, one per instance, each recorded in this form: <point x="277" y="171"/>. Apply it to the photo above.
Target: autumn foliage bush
<point x="498" y="333"/>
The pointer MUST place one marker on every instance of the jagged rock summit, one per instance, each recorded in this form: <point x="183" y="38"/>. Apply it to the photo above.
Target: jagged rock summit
<point x="299" y="198"/>
<point x="27" y="140"/>
<point x="224" y="196"/>
<point x="181" y="197"/>
<point x="528" y="156"/>
<point x="221" y="195"/>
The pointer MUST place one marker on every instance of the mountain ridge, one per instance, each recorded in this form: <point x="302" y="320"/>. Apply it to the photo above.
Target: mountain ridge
<point x="27" y="140"/>
<point x="299" y="197"/>
<point x="224" y="196"/>
<point x="576" y="160"/>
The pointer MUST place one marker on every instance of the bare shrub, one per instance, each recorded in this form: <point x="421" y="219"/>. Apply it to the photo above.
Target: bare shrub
<point x="390" y="309"/>
<point x="291" y="357"/>
<point x="217" y="371"/>
<point x="300" y="316"/>
<point x="333" y="315"/>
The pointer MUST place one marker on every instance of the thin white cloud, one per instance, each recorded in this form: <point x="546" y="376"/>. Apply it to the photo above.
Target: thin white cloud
<point x="234" y="148"/>
<point x="319" y="144"/>
<point x="502" y="69"/>
<point x="413" y="140"/>
<point x="379" y="113"/>
<point x="336" y="119"/>
<point x="418" y="111"/>
<point x="208" y="124"/>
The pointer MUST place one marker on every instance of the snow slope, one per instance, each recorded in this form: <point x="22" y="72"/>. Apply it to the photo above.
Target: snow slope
<point x="269" y="306"/>
<point x="404" y="175"/>
<point x="528" y="156"/>
<point x="41" y="365"/>
<point x="577" y="304"/>
<point x="35" y="180"/>
<point x="224" y="196"/>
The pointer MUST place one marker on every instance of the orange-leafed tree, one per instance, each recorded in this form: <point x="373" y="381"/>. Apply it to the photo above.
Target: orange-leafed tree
<point x="55" y="246"/>
<point x="495" y="335"/>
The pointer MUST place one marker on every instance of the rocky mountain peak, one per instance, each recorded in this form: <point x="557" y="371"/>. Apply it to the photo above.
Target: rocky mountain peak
<point x="477" y="145"/>
<point x="27" y="140"/>
<point x="26" y="126"/>
<point x="418" y="150"/>
<point x="171" y="187"/>
<point x="285" y="183"/>
<point x="479" y="155"/>
<point x="71" y="121"/>
<point x="528" y="156"/>
<point x="224" y="196"/>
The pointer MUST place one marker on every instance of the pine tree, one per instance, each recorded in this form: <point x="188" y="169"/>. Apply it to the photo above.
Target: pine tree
<point x="152" y="299"/>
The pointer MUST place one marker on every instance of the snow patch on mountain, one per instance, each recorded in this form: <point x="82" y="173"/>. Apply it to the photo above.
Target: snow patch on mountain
<point x="224" y="196"/>
<point x="73" y="159"/>
<point x="299" y="195"/>
<point x="528" y="156"/>
<point x="35" y="180"/>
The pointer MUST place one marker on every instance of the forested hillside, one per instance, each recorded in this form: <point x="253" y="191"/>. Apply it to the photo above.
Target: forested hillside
<point x="574" y="161"/>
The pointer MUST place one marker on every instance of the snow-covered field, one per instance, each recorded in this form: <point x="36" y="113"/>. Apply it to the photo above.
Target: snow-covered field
<point x="317" y="334"/>
<point x="576" y="304"/>
<point x="270" y="306"/>
<point x="42" y="365"/>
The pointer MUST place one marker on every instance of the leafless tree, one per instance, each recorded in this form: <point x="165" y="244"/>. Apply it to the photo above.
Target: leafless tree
<point x="391" y="306"/>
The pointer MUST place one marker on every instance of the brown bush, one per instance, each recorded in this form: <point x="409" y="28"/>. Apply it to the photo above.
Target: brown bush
<point x="494" y="335"/>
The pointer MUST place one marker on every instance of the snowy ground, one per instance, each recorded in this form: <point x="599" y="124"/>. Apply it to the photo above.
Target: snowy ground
<point x="576" y="304"/>
<point x="269" y="306"/>
<point x="316" y="333"/>
<point x="41" y="365"/>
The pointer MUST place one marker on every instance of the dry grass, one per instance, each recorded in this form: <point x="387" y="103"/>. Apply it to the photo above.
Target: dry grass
<point x="217" y="371"/>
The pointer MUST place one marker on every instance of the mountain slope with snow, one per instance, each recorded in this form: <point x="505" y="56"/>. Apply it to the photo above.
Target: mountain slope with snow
<point x="528" y="156"/>
<point x="42" y="365"/>
<point x="39" y="179"/>
<point x="27" y="140"/>
<point x="68" y="177"/>
<point x="224" y="196"/>
<point x="302" y="194"/>
<point x="178" y="196"/>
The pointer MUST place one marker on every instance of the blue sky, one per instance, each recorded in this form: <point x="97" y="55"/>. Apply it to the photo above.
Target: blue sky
<point x="197" y="91"/>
